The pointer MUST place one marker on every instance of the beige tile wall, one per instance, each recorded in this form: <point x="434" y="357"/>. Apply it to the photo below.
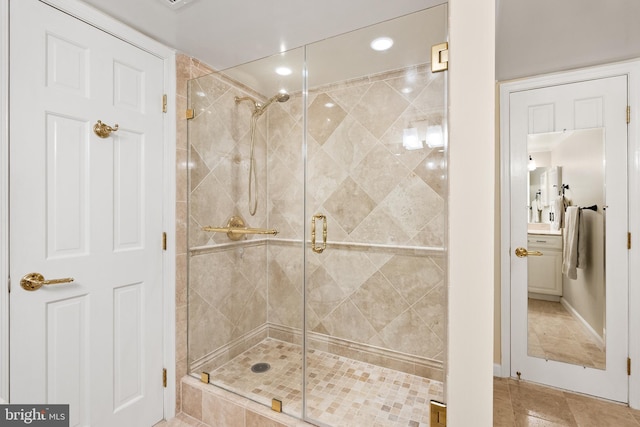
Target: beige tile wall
<point x="373" y="191"/>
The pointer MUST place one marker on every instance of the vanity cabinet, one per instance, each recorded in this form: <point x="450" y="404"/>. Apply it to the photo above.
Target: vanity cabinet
<point x="545" y="272"/>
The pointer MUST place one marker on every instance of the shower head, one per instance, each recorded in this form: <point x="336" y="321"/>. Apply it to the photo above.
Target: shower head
<point x="259" y="108"/>
<point x="281" y="97"/>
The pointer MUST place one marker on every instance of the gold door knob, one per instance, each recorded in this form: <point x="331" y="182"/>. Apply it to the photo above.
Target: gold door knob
<point x="522" y="252"/>
<point x="34" y="281"/>
<point x="103" y="130"/>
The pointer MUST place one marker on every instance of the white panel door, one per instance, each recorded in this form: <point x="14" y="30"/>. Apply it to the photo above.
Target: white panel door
<point x="86" y="208"/>
<point x="599" y="103"/>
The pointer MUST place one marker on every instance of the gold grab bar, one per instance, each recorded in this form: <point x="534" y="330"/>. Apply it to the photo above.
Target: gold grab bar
<point x="314" y="248"/>
<point x="34" y="281"/>
<point x="235" y="229"/>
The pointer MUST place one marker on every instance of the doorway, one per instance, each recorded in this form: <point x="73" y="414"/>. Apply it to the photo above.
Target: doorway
<point x="75" y="157"/>
<point x="539" y="102"/>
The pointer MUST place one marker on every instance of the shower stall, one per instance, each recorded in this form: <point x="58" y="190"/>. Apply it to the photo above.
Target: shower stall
<point x="316" y="235"/>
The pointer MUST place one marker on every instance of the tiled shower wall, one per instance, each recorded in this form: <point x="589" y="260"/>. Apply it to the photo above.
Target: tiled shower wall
<point x="377" y="293"/>
<point x="228" y="280"/>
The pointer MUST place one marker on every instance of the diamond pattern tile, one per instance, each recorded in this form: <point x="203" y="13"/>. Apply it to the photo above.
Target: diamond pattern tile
<point x="323" y="117"/>
<point x="379" y="108"/>
<point x="349" y="205"/>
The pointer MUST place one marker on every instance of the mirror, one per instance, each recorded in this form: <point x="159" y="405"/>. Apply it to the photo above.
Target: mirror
<point x="566" y="275"/>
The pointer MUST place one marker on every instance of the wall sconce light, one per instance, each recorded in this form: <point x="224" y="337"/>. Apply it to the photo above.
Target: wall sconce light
<point x="532" y="164"/>
<point x="435" y="138"/>
<point x="411" y="140"/>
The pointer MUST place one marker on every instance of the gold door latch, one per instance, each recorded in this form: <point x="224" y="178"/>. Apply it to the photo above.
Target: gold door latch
<point x="314" y="248"/>
<point x="103" y="130"/>
<point x="522" y="252"/>
<point x="34" y="281"/>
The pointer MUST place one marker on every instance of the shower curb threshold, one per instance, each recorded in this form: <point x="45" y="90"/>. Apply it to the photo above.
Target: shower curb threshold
<point x="213" y="406"/>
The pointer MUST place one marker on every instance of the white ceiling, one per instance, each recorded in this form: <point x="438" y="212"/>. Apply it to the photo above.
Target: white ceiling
<point x="532" y="37"/>
<point x="227" y="33"/>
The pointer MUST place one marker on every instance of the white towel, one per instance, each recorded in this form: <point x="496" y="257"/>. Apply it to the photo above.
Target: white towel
<point x="570" y="239"/>
<point x="558" y="213"/>
<point x="582" y="241"/>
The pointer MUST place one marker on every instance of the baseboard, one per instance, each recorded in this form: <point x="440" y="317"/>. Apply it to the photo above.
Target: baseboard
<point x="408" y="363"/>
<point x="596" y="337"/>
<point x="222" y="355"/>
<point x="497" y="370"/>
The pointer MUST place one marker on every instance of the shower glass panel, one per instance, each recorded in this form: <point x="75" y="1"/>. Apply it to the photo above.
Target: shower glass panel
<point x="245" y="234"/>
<point x="375" y="204"/>
<point x="317" y="215"/>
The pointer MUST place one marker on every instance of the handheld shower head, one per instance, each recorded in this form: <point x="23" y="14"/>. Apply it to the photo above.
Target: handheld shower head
<point x="280" y="97"/>
<point x="259" y="108"/>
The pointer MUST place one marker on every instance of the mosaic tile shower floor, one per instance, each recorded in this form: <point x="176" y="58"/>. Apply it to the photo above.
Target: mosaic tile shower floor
<point x="341" y="391"/>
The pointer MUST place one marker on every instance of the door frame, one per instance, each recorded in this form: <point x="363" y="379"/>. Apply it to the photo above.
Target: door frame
<point x="632" y="70"/>
<point x="103" y="22"/>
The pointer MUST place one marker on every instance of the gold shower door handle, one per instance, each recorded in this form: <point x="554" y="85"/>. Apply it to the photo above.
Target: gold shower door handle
<point x="34" y="281"/>
<point x="522" y="252"/>
<point x="314" y="248"/>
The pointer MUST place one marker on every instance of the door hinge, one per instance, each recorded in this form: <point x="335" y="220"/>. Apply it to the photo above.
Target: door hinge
<point x="438" y="414"/>
<point x="190" y="114"/>
<point x="164" y="377"/>
<point x="164" y="240"/>
<point x="439" y="57"/>
<point x="628" y="114"/>
<point x="164" y="103"/>
<point x="628" y="366"/>
<point x="629" y="240"/>
<point x="9" y="283"/>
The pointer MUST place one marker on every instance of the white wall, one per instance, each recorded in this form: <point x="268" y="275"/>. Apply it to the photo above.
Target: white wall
<point x="535" y="37"/>
<point x="471" y="184"/>
<point x="581" y="157"/>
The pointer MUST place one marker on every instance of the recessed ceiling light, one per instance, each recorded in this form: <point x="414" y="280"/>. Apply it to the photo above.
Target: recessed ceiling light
<point x="283" y="71"/>
<point x="382" y="43"/>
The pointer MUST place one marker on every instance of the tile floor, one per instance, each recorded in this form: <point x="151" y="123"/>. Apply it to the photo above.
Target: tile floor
<point x="341" y="391"/>
<point x="344" y="392"/>
<point x="555" y="334"/>
<point x="517" y="403"/>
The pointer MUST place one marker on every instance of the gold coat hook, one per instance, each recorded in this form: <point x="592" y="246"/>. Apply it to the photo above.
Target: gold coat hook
<point x="103" y="130"/>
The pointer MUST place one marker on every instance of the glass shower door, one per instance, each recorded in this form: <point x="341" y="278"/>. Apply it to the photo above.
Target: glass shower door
<point x="245" y="240"/>
<point x="317" y="212"/>
<point x="375" y="219"/>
